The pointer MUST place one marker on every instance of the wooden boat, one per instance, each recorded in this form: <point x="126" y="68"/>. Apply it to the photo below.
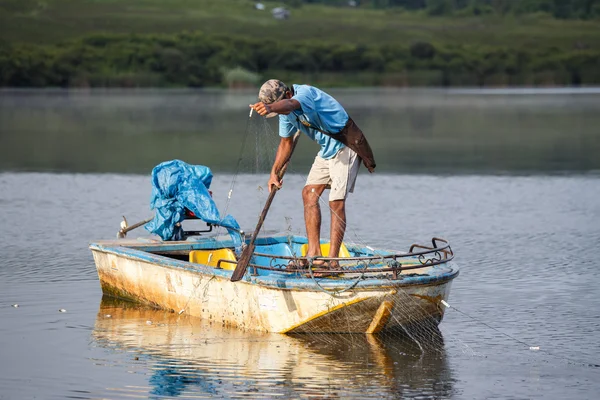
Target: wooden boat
<point x="374" y="290"/>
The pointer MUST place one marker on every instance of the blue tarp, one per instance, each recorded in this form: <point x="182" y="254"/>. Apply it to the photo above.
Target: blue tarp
<point x="176" y="186"/>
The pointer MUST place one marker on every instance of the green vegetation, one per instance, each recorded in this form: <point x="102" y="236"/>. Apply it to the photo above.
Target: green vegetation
<point x="564" y="9"/>
<point x="229" y="43"/>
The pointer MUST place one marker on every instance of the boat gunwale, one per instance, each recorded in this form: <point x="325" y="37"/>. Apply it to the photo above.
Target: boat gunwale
<point x="289" y="282"/>
<point x="209" y="242"/>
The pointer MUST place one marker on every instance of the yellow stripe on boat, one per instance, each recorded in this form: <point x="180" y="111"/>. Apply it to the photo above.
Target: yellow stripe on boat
<point x="325" y="312"/>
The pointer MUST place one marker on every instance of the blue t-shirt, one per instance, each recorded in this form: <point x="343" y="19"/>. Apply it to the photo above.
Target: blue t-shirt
<point x="320" y="110"/>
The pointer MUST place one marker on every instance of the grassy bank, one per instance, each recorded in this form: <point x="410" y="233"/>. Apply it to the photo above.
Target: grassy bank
<point x="54" y="21"/>
<point x="196" y="42"/>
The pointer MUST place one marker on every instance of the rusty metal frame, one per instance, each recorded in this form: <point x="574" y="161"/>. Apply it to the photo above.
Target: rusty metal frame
<point x="437" y="255"/>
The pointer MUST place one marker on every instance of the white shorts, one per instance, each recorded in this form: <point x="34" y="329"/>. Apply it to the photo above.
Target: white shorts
<point x="338" y="173"/>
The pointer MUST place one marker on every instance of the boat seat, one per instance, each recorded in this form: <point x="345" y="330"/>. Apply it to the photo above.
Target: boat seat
<point x="212" y="257"/>
<point x="325" y="250"/>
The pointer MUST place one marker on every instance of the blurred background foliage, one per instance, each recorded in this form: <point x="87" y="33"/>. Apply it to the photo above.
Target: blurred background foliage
<point x="231" y="43"/>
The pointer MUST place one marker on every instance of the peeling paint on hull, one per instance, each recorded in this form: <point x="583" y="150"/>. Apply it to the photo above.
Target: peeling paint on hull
<point x="274" y="305"/>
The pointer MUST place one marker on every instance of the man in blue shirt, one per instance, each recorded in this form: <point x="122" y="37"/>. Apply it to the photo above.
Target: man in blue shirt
<point x="324" y="120"/>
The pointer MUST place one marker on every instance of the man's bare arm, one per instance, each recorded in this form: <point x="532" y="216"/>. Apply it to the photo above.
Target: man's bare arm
<point x="283" y="154"/>
<point x="284" y="106"/>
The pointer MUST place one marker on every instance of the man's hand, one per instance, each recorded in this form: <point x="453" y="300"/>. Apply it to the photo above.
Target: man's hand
<point x="261" y="108"/>
<point x="274" y="181"/>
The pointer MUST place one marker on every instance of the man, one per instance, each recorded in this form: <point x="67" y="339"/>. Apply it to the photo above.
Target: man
<point x="324" y="120"/>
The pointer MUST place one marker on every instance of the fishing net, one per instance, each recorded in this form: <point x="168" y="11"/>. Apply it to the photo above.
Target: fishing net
<point x="413" y="324"/>
<point x="329" y="355"/>
<point x="408" y="357"/>
<point x="187" y="357"/>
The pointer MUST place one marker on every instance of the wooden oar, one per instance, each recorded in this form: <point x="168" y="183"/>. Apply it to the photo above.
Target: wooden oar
<point x="244" y="260"/>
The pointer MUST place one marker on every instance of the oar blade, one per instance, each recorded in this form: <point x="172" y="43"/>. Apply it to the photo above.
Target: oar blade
<point x="242" y="264"/>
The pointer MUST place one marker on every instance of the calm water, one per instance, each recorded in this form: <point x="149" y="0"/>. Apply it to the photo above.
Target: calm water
<point x="423" y="131"/>
<point x="526" y="236"/>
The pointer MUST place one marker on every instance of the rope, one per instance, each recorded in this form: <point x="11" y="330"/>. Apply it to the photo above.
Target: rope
<point x="533" y="348"/>
<point x="239" y="162"/>
<point x="219" y="229"/>
<point x="353" y="232"/>
<point x="335" y="293"/>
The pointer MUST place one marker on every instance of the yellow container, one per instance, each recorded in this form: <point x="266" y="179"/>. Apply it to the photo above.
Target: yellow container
<point x="325" y="250"/>
<point x="212" y="257"/>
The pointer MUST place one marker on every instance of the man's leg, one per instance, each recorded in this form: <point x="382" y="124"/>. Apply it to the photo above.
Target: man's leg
<point x="343" y="171"/>
<point x="338" y="226"/>
<point x="312" y="217"/>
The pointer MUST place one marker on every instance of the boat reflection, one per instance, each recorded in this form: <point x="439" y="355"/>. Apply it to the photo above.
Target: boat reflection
<point x="187" y="357"/>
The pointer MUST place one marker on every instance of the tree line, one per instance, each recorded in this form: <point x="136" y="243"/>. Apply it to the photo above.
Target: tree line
<point x="563" y="9"/>
<point x="199" y="60"/>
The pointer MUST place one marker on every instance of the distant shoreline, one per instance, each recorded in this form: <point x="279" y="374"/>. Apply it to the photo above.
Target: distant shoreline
<point x="197" y="60"/>
<point x="516" y="90"/>
<point x="144" y="43"/>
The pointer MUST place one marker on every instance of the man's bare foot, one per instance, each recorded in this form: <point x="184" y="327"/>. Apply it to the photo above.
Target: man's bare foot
<point x="317" y="264"/>
<point x="297" y="264"/>
<point x="323" y="267"/>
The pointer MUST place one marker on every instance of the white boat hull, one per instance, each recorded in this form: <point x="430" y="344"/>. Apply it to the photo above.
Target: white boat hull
<point x="252" y="306"/>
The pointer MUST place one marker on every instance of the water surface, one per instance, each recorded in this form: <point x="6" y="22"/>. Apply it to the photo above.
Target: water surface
<point x="509" y="178"/>
<point x="433" y="131"/>
<point x="525" y="246"/>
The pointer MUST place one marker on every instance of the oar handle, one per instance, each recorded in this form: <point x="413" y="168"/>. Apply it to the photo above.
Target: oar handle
<point x="126" y="228"/>
<point x="134" y="226"/>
